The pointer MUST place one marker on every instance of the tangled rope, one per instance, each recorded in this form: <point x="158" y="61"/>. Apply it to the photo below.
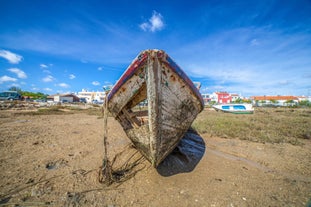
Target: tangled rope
<point x="108" y="174"/>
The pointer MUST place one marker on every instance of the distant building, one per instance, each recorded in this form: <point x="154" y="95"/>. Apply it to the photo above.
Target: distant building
<point x="304" y="98"/>
<point x="235" y="97"/>
<point x="221" y="97"/>
<point x="63" y="98"/>
<point x="91" y="96"/>
<point x="275" y="100"/>
<point x="206" y="98"/>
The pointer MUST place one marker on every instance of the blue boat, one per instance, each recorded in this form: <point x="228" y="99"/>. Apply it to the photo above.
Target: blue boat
<point x="235" y="108"/>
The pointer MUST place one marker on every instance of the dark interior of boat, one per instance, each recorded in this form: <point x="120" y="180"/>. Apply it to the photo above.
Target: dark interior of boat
<point x="136" y="111"/>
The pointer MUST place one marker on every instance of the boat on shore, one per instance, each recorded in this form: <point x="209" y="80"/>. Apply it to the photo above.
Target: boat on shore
<point x="173" y="102"/>
<point x="235" y="108"/>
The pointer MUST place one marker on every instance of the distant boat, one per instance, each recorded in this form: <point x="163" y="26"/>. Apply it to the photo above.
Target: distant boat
<point x="173" y="102"/>
<point x="235" y="108"/>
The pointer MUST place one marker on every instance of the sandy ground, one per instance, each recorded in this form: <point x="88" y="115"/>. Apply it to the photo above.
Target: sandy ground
<point x="54" y="160"/>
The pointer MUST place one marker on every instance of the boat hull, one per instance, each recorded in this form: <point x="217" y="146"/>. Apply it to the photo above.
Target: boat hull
<point x="235" y="108"/>
<point x="173" y="104"/>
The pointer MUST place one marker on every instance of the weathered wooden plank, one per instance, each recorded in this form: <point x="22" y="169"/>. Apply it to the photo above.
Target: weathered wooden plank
<point x="154" y="101"/>
<point x="126" y="92"/>
<point x="134" y="121"/>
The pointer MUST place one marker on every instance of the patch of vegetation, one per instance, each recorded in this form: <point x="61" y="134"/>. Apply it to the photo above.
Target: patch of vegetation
<point x="272" y="125"/>
<point x="65" y="109"/>
<point x="33" y="95"/>
<point x="95" y="112"/>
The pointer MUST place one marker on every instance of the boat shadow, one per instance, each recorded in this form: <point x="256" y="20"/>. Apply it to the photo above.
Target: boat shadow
<point x="185" y="157"/>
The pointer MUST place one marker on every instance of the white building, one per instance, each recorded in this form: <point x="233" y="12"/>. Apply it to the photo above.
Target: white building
<point x="63" y="98"/>
<point x="304" y="98"/>
<point x="92" y="96"/>
<point x="275" y="100"/>
<point x="235" y="97"/>
<point x="206" y="98"/>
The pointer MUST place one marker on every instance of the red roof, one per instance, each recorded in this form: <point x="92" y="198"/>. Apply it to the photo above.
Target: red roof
<point x="262" y="98"/>
<point x="222" y="92"/>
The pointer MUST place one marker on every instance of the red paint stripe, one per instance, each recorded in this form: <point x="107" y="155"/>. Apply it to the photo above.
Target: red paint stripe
<point x="171" y="64"/>
<point x="141" y="59"/>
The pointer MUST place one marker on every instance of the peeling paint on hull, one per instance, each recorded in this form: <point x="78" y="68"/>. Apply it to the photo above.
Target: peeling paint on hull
<point x="173" y="104"/>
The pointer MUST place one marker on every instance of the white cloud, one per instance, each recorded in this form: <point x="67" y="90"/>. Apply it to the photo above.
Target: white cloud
<point x="72" y="76"/>
<point x="7" y="79"/>
<point x="18" y="72"/>
<point x="35" y="89"/>
<point x="43" y="66"/>
<point x="95" y="83"/>
<point x="47" y="89"/>
<point x="155" y="23"/>
<point x="254" y="42"/>
<point x="14" y="85"/>
<point x="100" y="68"/>
<point x="144" y="26"/>
<point x="48" y="78"/>
<point x="83" y="61"/>
<point x="47" y="71"/>
<point x="11" y="57"/>
<point x="64" y="85"/>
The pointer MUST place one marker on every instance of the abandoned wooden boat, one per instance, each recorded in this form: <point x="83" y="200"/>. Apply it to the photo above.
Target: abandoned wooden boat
<point x="173" y="102"/>
<point x="235" y="108"/>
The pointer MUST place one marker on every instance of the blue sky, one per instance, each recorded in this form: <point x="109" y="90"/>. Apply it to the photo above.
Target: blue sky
<point x="246" y="47"/>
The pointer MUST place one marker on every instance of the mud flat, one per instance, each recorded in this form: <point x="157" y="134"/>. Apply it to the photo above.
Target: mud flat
<point x="53" y="159"/>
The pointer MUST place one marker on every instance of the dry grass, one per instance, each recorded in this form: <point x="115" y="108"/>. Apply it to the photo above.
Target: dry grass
<point x="47" y="111"/>
<point x="61" y="110"/>
<point x="273" y="125"/>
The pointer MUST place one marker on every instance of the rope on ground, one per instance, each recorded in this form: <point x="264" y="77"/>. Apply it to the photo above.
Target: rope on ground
<point x="134" y="160"/>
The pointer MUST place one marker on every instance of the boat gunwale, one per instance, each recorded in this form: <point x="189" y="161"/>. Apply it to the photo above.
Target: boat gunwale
<point x="128" y="73"/>
<point x="140" y="59"/>
<point x="171" y="63"/>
